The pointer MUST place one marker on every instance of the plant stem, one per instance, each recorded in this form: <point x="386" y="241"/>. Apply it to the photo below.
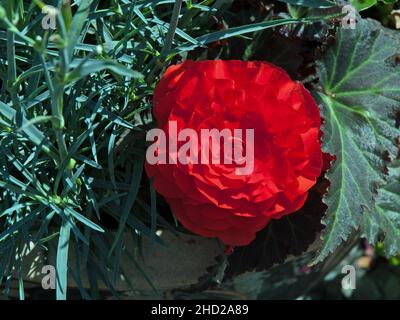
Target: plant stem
<point x="168" y="39"/>
<point x="172" y="28"/>
<point x="12" y="70"/>
<point x="58" y="99"/>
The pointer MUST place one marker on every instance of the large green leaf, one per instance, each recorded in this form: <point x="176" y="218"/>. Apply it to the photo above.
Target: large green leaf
<point x="386" y="221"/>
<point x="361" y="5"/>
<point x="359" y="95"/>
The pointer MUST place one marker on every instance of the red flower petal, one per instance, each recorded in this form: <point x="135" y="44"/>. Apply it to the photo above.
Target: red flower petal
<point x="210" y="199"/>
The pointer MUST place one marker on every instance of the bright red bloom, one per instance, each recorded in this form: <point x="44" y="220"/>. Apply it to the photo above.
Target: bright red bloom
<point x="210" y="199"/>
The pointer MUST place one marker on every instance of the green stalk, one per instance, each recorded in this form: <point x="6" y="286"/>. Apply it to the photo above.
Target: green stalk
<point x="57" y="101"/>
<point x="57" y="107"/>
<point x="12" y="68"/>
<point x="172" y="28"/>
<point x="168" y="40"/>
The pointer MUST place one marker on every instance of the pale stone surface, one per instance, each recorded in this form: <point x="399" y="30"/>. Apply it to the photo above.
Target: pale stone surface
<point x="179" y="265"/>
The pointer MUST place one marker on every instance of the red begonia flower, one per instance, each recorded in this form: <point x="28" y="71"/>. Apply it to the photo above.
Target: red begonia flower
<point x="211" y="199"/>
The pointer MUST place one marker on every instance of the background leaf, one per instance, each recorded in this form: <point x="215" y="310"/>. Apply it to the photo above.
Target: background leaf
<point x="311" y="3"/>
<point x="385" y="222"/>
<point x="363" y="4"/>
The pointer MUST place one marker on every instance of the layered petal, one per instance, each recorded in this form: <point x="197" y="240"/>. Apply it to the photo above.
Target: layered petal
<point x="210" y="199"/>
